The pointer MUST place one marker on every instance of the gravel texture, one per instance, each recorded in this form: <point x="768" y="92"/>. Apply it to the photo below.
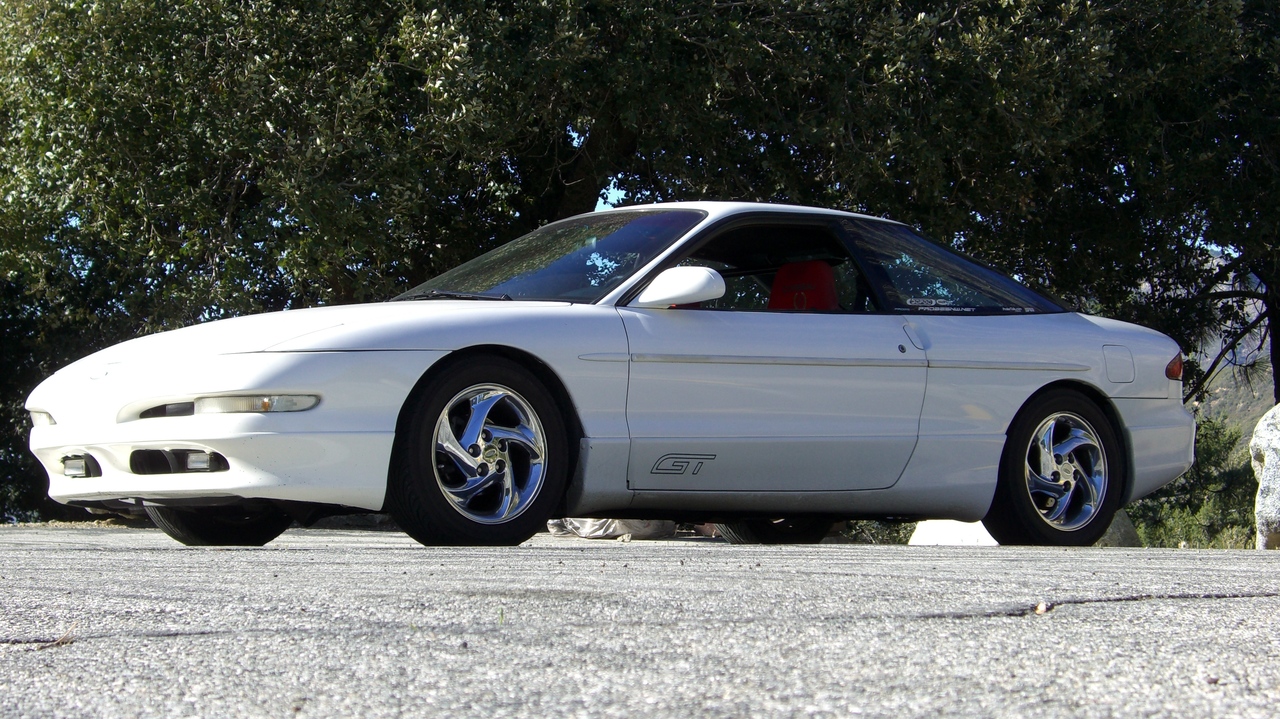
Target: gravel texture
<point x="107" y="622"/>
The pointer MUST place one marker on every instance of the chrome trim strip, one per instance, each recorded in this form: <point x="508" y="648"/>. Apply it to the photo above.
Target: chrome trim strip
<point x="1027" y="366"/>
<point x="605" y="357"/>
<point x="802" y="361"/>
<point x="842" y="362"/>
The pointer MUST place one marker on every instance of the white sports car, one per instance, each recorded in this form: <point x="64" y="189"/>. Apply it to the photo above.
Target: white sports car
<point x="767" y="367"/>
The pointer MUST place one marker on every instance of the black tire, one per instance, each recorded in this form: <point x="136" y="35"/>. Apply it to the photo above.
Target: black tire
<point x="1040" y="506"/>
<point x="806" y="530"/>
<point x="432" y="492"/>
<point x="230" y="526"/>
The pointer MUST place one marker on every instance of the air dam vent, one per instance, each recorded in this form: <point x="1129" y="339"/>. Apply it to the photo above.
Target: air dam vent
<point x="176" y="461"/>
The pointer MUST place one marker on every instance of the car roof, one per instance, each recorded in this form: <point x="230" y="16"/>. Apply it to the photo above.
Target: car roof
<point x="718" y="209"/>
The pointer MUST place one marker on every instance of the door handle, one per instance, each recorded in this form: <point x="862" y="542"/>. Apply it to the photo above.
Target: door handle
<point x="916" y="340"/>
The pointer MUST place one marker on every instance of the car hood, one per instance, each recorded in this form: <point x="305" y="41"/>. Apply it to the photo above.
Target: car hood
<point x="404" y="325"/>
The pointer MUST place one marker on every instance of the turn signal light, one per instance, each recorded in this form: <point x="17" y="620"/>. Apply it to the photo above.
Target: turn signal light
<point x="1173" y="370"/>
<point x="256" y="403"/>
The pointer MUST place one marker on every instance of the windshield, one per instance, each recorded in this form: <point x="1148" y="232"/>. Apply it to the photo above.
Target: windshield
<point x="576" y="260"/>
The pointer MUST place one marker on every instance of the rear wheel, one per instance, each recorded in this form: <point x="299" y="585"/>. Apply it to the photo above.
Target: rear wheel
<point x="231" y="526"/>
<point x="776" y="531"/>
<point x="1061" y="474"/>
<point x="484" y="457"/>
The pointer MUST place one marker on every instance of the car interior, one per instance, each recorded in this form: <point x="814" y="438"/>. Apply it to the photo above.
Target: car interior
<point x="782" y="268"/>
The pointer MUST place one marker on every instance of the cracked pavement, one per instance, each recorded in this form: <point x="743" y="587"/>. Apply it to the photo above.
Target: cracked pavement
<point x="105" y="622"/>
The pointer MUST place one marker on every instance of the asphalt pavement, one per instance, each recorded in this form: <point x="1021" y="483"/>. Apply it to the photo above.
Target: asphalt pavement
<point x="113" y="622"/>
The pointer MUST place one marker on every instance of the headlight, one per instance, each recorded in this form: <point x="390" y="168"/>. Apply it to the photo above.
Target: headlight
<point x="41" y="419"/>
<point x="256" y="403"/>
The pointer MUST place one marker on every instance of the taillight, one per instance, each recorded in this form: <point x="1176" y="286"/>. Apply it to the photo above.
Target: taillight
<point x="1173" y="370"/>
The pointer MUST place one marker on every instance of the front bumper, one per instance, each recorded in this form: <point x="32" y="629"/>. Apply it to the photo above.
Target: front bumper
<point x="337" y="453"/>
<point x="348" y="469"/>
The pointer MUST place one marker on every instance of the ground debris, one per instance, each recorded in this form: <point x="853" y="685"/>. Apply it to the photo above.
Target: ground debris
<point x="62" y="641"/>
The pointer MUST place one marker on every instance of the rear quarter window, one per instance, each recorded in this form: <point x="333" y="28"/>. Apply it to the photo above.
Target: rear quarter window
<point x="915" y="275"/>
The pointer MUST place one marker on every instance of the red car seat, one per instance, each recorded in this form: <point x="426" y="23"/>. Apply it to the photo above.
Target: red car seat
<point x="805" y="286"/>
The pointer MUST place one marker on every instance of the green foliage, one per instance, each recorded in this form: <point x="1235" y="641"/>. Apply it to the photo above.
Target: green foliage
<point x="218" y="158"/>
<point x="32" y="348"/>
<point x="871" y="531"/>
<point x="1209" y="506"/>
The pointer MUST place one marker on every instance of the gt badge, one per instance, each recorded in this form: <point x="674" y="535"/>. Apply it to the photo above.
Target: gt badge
<point x="679" y="463"/>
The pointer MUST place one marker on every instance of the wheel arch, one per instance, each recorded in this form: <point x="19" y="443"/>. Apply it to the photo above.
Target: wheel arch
<point x="541" y="370"/>
<point x="1108" y="409"/>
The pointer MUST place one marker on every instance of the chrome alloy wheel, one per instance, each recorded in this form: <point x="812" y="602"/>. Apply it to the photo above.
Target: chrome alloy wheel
<point x="490" y="453"/>
<point x="1066" y="471"/>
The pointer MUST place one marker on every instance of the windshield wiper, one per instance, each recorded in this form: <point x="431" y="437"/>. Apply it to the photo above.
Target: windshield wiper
<point x="451" y="295"/>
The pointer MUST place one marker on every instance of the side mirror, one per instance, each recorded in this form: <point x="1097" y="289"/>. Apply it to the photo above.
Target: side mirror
<point x="681" y="286"/>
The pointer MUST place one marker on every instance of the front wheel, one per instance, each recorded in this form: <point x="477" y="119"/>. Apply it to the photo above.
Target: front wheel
<point x="776" y="531"/>
<point x="231" y="526"/>
<point x="483" y="459"/>
<point x="1061" y="475"/>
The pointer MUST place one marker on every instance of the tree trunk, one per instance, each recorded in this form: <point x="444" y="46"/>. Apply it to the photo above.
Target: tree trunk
<point x="607" y="143"/>
<point x="1274" y="351"/>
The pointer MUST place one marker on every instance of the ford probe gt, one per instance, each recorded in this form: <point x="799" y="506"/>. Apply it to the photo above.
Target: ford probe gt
<point x="771" y="368"/>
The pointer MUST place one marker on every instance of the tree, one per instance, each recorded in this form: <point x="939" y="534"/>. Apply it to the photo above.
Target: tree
<point x="1239" y="185"/>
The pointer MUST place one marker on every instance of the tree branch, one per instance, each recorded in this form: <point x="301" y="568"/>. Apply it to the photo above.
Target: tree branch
<point x="1223" y="273"/>
<point x="1231" y="295"/>
<point x="1226" y="348"/>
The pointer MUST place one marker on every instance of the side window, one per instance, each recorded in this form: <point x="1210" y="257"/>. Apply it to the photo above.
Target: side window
<point x="916" y="275"/>
<point x="783" y="268"/>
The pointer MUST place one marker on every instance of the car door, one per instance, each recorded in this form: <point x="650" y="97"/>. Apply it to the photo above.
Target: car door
<point x="991" y="344"/>
<point x="770" y="388"/>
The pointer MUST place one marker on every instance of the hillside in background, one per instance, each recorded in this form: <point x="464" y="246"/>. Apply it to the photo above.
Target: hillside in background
<point x="1240" y="399"/>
